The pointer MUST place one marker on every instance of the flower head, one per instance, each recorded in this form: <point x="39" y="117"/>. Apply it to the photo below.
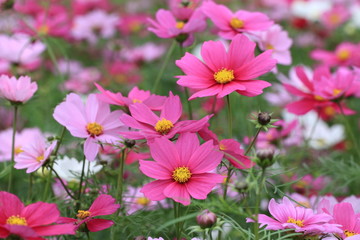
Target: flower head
<point x="225" y="72"/>
<point x="182" y="169"/>
<point x="17" y="90"/>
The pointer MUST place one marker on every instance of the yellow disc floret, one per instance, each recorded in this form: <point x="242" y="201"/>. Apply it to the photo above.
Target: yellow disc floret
<point x="349" y="233"/>
<point x="83" y="214"/>
<point x="236" y="23"/>
<point x="180" y="24"/>
<point x="343" y="54"/>
<point x="163" y="126"/>
<point x="18" y="150"/>
<point x="94" y="129"/>
<point x="300" y="223"/>
<point x="181" y="174"/>
<point x="40" y="158"/>
<point x="224" y="76"/>
<point x="143" y="201"/>
<point x="16" y="220"/>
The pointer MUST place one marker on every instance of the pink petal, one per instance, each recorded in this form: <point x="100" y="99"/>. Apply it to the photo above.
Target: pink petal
<point x="178" y="192"/>
<point x="200" y="185"/>
<point x="205" y="158"/>
<point x="10" y="205"/>
<point x="188" y="143"/>
<point x="91" y="149"/>
<point x="165" y="153"/>
<point x="261" y="64"/>
<point x="172" y="109"/>
<point x="154" y="190"/>
<point x="53" y="230"/>
<point x="240" y="44"/>
<point x="253" y="87"/>
<point x="214" y="55"/>
<point x="142" y="113"/>
<point x="40" y="213"/>
<point x="95" y="225"/>
<point x="191" y="65"/>
<point x="103" y="205"/>
<point x="155" y="170"/>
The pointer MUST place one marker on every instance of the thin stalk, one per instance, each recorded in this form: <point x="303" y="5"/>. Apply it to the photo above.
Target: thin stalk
<point x="30" y="186"/>
<point x="177" y="215"/>
<point x="253" y="141"/>
<point x="229" y="115"/>
<point x="78" y="205"/>
<point x="229" y="173"/>
<point x="188" y="103"/>
<point x="13" y="148"/>
<point x="163" y="67"/>
<point x="257" y="206"/>
<point x="120" y="180"/>
<point x="62" y="183"/>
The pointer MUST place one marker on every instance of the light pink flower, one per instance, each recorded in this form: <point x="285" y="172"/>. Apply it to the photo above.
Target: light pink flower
<point x="154" y="102"/>
<point x="145" y="53"/>
<point x="166" y="125"/>
<point x="231" y="24"/>
<point x="17" y="90"/>
<point x="336" y="16"/>
<point x="166" y="26"/>
<point x="83" y="81"/>
<point x="92" y="120"/>
<point x="182" y="169"/>
<point x="135" y="200"/>
<point x="83" y="6"/>
<point x="183" y="10"/>
<point x="34" y="154"/>
<point x="133" y="24"/>
<point x="225" y="72"/>
<point x="288" y="216"/>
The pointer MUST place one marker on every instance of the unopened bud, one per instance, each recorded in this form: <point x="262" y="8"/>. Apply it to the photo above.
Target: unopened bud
<point x="264" y="118"/>
<point x="206" y="219"/>
<point x="265" y="157"/>
<point x="129" y="143"/>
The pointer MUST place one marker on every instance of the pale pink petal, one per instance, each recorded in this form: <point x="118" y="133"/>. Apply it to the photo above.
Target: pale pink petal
<point x="91" y="149"/>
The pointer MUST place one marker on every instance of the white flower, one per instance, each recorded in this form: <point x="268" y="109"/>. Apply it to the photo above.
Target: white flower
<point x="310" y="10"/>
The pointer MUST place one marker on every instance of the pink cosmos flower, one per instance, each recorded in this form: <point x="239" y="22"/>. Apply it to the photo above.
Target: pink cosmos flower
<point x="231" y="24"/>
<point x="83" y="6"/>
<point x="34" y="154"/>
<point x="345" y="54"/>
<point x="154" y="102"/>
<point x="92" y="121"/>
<point x="166" y="26"/>
<point x="183" y="10"/>
<point x="279" y="96"/>
<point x="288" y="216"/>
<point x="83" y="81"/>
<point x="276" y="39"/>
<point x="321" y="90"/>
<point x="123" y="72"/>
<point x="17" y="90"/>
<point x="145" y="53"/>
<point x="182" y="169"/>
<point x="166" y="125"/>
<point x="336" y="16"/>
<point x="133" y="24"/>
<point x="31" y="222"/>
<point x="135" y="200"/>
<point x="225" y="72"/>
<point x="103" y="205"/>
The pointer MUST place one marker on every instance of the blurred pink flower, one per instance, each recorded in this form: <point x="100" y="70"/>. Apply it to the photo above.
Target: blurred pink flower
<point x="83" y="81"/>
<point x="225" y="72"/>
<point x="34" y="154"/>
<point x="166" y="125"/>
<point x="132" y="23"/>
<point x="336" y="16"/>
<point x="231" y="24"/>
<point x="183" y="10"/>
<point x="166" y="26"/>
<point x="135" y="200"/>
<point x="145" y="53"/>
<point x="17" y="90"/>
<point x="92" y="120"/>
<point x="83" y="6"/>
<point x="182" y="169"/>
<point x="213" y="105"/>
<point x="102" y="205"/>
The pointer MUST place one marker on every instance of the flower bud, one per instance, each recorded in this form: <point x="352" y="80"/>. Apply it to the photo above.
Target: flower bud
<point x="264" y="118"/>
<point x="206" y="219"/>
<point x="265" y="157"/>
<point x="129" y="143"/>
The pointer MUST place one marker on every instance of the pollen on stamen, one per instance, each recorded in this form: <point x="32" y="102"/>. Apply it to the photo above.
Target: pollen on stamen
<point x="300" y="223"/>
<point x="236" y="23"/>
<point x="16" y="220"/>
<point x="40" y="158"/>
<point x="343" y="54"/>
<point x="94" y="129"/>
<point x="180" y="24"/>
<point x="83" y="214"/>
<point x="224" y="76"/>
<point x="163" y="126"/>
<point x="181" y="174"/>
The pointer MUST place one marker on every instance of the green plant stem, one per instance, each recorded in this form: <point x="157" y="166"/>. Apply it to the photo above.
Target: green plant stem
<point x="13" y="148"/>
<point x="120" y="180"/>
<point x="229" y="115"/>
<point x="63" y="184"/>
<point x="78" y="205"/>
<point x="30" y="186"/>
<point x="229" y="173"/>
<point x="258" y="201"/>
<point x="163" y="67"/>
<point x="253" y="141"/>
<point x="177" y="215"/>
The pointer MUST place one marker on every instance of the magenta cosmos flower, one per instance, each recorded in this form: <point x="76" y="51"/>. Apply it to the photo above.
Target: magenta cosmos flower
<point x="225" y="72"/>
<point x="231" y="24"/>
<point x="154" y="102"/>
<point x="288" y="216"/>
<point x="92" y="120"/>
<point x="31" y="222"/>
<point x="103" y="205"/>
<point x="166" y="125"/>
<point x="17" y="90"/>
<point x="182" y="169"/>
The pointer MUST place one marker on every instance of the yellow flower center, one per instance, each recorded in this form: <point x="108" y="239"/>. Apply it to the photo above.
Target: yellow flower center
<point x="334" y="18"/>
<point x="82" y="214"/>
<point x="343" y="54"/>
<point x="180" y="24"/>
<point x="319" y="98"/>
<point x="300" y="223"/>
<point x="136" y="100"/>
<point x="224" y="76"/>
<point x="181" y="174"/>
<point x="18" y="150"/>
<point x="222" y="147"/>
<point x="43" y="30"/>
<point x="269" y="46"/>
<point x="16" y="220"/>
<point x="349" y="233"/>
<point x="163" y="126"/>
<point x="236" y="23"/>
<point x="330" y="111"/>
<point x="135" y="26"/>
<point x="143" y="201"/>
<point x="94" y="129"/>
<point x="336" y="92"/>
<point x="40" y="158"/>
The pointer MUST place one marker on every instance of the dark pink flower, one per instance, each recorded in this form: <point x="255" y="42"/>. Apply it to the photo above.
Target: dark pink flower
<point x="225" y="72"/>
<point x="30" y="222"/>
<point x="182" y="169"/>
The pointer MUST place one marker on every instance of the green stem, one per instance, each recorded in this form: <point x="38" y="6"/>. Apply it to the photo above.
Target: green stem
<point x="229" y="115"/>
<point x="188" y="103"/>
<point x="120" y="180"/>
<point x="229" y="173"/>
<point x="62" y="183"/>
<point x="78" y="205"/>
<point x="162" y="69"/>
<point x="13" y="148"/>
<point x="253" y="141"/>
<point x="257" y="206"/>
<point x="177" y="215"/>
